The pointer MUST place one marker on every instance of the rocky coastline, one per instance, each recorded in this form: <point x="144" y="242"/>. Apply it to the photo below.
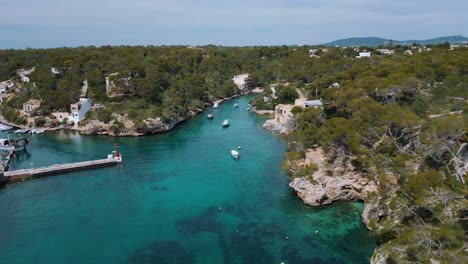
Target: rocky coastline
<point x="127" y="127"/>
<point x="339" y="181"/>
<point x="151" y="126"/>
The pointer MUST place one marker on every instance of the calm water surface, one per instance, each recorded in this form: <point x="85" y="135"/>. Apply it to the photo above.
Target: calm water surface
<point x="178" y="197"/>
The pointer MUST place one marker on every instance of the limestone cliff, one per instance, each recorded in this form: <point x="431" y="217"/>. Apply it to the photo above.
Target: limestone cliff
<point x="331" y="182"/>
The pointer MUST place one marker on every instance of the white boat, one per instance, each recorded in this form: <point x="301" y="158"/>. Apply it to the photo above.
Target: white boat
<point x="18" y="144"/>
<point x="21" y="131"/>
<point x="236" y="105"/>
<point x="39" y="131"/>
<point x="235" y="154"/>
<point x="215" y="105"/>
<point x="209" y="116"/>
<point x="226" y="123"/>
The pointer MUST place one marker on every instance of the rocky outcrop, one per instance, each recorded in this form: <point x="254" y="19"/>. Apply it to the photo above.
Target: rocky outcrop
<point x="378" y="257"/>
<point x="264" y="112"/>
<point x="273" y="126"/>
<point x="327" y="189"/>
<point x="127" y="127"/>
<point x="331" y="183"/>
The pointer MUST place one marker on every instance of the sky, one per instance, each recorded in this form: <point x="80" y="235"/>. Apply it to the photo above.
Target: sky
<point x="64" y="23"/>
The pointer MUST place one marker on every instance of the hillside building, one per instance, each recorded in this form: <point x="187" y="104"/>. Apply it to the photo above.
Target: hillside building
<point x="241" y="81"/>
<point x="30" y="105"/>
<point x="79" y="110"/>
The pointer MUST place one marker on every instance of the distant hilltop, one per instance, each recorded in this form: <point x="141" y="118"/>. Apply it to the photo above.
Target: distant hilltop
<point x="374" y="41"/>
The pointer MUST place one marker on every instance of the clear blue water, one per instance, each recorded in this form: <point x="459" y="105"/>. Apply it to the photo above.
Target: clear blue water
<point x="178" y="197"/>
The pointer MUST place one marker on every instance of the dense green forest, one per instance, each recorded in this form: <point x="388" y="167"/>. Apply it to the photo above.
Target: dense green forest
<point x="402" y="118"/>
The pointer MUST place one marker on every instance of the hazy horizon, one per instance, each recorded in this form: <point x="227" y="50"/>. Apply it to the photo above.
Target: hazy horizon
<point x="52" y="23"/>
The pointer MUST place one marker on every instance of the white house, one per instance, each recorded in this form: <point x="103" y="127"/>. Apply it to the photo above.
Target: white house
<point x="4" y="86"/>
<point x="386" y="51"/>
<point x="25" y="78"/>
<point x="241" y="81"/>
<point x="25" y="73"/>
<point x="54" y="71"/>
<point x="79" y="110"/>
<point x="312" y="52"/>
<point x="313" y="103"/>
<point x="364" y="54"/>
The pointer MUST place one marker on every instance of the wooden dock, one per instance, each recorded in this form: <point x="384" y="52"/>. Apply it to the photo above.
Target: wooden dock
<point x="18" y="175"/>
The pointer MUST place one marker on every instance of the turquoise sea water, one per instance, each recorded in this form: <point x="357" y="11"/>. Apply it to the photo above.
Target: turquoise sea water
<point x="178" y="197"/>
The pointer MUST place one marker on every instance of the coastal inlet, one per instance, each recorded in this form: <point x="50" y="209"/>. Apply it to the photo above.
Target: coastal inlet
<point x="179" y="197"/>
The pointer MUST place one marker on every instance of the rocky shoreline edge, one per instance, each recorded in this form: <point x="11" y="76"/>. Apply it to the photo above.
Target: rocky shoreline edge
<point x="151" y="126"/>
<point x="338" y="181"/>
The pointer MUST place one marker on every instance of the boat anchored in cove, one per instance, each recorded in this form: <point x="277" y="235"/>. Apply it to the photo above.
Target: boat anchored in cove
<point x="226" y="123"/>
<point x="235" y="154"/>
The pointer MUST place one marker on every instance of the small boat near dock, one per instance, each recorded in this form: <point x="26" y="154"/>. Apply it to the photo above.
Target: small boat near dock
<point x="36" y="131"/>
<point x="17" y="144"/>
<point x="215" y="105"/>
<point x="235" y="154"/>
<point x="22" y="131"/>
<point x="226" y="123"/>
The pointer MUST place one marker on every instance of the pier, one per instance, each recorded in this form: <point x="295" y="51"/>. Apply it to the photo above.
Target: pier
<point x="23" y="174"/>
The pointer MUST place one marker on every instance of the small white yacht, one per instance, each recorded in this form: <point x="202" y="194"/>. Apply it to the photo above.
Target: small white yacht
<point x="215" y="105"/>
<point x="226" y="123"/>
<point x="209" y="116"/>
<point x="236" y="105"/>
<point x="22" y="131"/>
<point x="235" y="154"/>
<point x="38" y="131"/>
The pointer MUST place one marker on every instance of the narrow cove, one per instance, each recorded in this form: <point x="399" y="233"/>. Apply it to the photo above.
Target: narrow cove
<point x="178" y="197"/>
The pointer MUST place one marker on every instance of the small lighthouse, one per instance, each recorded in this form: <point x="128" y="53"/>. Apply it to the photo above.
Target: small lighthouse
<point x="117" y="155"/>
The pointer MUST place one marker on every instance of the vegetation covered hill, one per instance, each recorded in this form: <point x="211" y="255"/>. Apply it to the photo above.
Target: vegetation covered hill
<point x="374" y="41"/>
<point x="400" y="119"/>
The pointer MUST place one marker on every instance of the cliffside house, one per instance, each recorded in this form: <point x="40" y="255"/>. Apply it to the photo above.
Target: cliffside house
<point x="241" y="81"/>
<point x="364" y="54"/>
<point x="24" y="74"/>
<point x="61" y="116"/>
<point x="5" y="85"/>
<point x="30" y="105"/>
<point x="79" y="110"/>
<point x="283" y="113"/>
